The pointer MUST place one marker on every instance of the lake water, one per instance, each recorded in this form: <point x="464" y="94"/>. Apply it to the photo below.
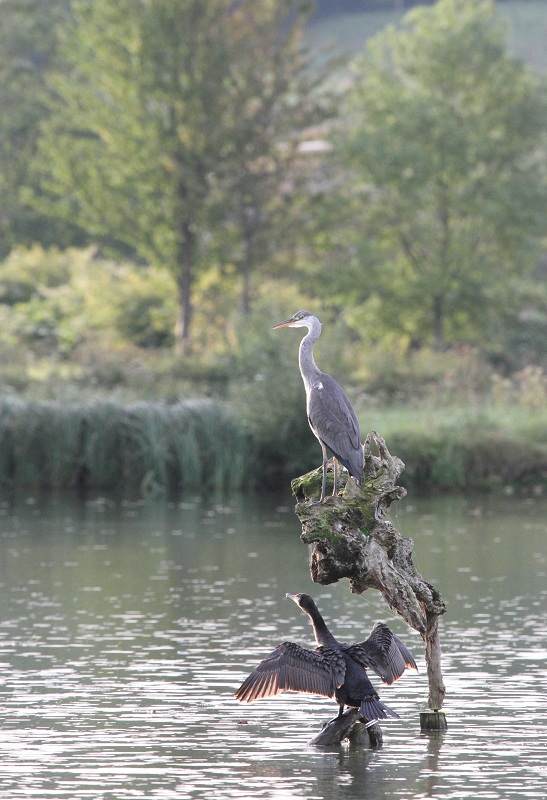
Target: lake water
<point x="126" y="628"/>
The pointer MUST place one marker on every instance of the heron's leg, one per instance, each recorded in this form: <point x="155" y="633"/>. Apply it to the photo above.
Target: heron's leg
<point x="335" y="476"/>
<point x="324" y="481"/>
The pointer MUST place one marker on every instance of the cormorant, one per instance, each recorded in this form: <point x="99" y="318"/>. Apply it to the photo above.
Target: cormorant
<point x="333" y="669"/>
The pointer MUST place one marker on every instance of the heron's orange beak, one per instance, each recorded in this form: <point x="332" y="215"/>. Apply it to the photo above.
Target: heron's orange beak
<point x="287" y="323"/>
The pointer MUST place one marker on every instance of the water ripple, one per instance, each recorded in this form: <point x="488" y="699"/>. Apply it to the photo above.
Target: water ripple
<point x="118" y="665"/>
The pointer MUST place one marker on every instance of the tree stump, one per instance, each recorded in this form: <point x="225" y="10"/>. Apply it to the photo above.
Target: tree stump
<point x="351" y="539"/>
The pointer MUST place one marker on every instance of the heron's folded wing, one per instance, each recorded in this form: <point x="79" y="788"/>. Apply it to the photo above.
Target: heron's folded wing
<point x="384" y="653"/>
<point x="293" y="668"/>
<point x="334" y="422"/>
<point x="330" y="408"/>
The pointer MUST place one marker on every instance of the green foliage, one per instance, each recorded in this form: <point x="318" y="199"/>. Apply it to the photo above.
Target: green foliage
<point x="42" y="305"/>
<point x="141" y="306"/>
<point x="445" y="141"/>
<point x="275" y="99"/>
<point x="174" y="129"/>
<point x="171" y="134"/>
<point x="142" y="448"/>
<point x="27" y="273"/>
<point x="451" y="449"/>
<point x="518" y="336"/>
<point x="391" y="378"/>
<point x="59" y="298"/>
<point x="136" y="127"/>
<point x="28" y="44"/>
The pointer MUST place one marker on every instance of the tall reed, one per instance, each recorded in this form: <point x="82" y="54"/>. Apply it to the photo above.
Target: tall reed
<point x="148" y="448"/>
<point x="204" y="445"/>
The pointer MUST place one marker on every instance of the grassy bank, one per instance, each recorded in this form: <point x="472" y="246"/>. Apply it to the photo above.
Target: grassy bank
<point x="143" y="448"/>
<point x="202" y="445"/>
<point x="468" y="449"/>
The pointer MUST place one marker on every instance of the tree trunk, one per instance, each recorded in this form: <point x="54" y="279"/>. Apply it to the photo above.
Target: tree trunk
<point x="438" y="322"/>
<point x="437" y="689"/>
<point x="250" y="219"/>
<point x="187" y="252"/>
<point x="246" y="270"/>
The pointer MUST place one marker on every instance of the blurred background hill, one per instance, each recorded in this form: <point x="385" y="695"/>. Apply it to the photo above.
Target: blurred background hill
<point x="349" y="23"/>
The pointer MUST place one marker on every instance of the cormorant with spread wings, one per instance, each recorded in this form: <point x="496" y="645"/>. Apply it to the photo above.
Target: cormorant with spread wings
<point x="333" y="669"/>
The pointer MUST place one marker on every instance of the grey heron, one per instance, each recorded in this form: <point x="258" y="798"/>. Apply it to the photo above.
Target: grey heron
<point x="330" y="414"/>
<point x="333" y="669"/>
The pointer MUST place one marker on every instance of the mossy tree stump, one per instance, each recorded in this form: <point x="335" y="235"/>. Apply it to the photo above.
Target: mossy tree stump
<point x="351" y="538"/>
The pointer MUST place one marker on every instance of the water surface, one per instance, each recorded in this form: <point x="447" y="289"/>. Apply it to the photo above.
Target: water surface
<point x="125" y="629"/>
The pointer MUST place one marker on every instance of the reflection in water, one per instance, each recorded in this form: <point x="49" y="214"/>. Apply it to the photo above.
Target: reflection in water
<point x="125" y="629"/>
<point x="429" y="773"/>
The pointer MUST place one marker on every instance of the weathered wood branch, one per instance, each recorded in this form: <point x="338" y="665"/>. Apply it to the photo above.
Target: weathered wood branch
<point x="351" y="539"/>
<point x="350" y="725"/>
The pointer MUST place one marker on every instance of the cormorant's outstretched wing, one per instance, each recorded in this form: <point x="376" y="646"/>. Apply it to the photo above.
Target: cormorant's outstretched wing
<point x="293" y="668"/>
<point x="334" y="422"/>
<point x="384" y="653"/>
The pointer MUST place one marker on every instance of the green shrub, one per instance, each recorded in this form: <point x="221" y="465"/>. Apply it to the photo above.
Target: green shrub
<point x="28" y="272"/>
<point x="58" y="299"/>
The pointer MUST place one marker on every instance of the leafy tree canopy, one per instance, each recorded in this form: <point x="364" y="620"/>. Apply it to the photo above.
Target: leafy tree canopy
<point x="445" y="144"/>
<point x="170" y="125"/>
<point x="28" y="45"/>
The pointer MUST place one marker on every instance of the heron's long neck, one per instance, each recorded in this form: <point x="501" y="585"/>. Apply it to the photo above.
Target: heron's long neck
<point x="308" y="367"/>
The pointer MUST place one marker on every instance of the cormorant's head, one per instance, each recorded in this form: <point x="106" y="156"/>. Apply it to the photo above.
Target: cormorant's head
<point x="303" y="601"/>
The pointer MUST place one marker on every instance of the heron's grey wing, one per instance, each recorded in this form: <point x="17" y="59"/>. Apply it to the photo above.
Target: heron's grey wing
<point x="293" y="668"/>
<point x="384" y="653"/>
<point x="332" y="417"/>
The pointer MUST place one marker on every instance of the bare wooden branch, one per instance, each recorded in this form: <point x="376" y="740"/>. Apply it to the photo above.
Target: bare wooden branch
<point x="352" y="726"/>
<point x="366" y="734"/>
<point x="437" y="688"/>
<point x="335" y="731"/>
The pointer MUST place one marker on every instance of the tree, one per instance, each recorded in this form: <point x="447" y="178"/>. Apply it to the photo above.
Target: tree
<point x="276" y="96"/>
<point x="131" y="142"/>
<point x="445" y="144"/>
<point x="155" y="116"/>
<point x="28" y="45"/>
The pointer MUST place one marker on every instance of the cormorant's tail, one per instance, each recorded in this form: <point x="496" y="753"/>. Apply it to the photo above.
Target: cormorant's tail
<point x="373" y="708"/>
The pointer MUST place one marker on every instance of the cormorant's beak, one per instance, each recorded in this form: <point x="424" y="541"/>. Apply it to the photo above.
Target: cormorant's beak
<point x="291" y="597"/>
<point x="288" y="322"/>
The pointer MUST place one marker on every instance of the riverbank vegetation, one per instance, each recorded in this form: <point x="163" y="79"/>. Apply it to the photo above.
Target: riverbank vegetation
<point x="142" y="448"/>
<point x="151" y="449"/>
<point x="456" y="423"/>
<point x="166" y="200"/>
